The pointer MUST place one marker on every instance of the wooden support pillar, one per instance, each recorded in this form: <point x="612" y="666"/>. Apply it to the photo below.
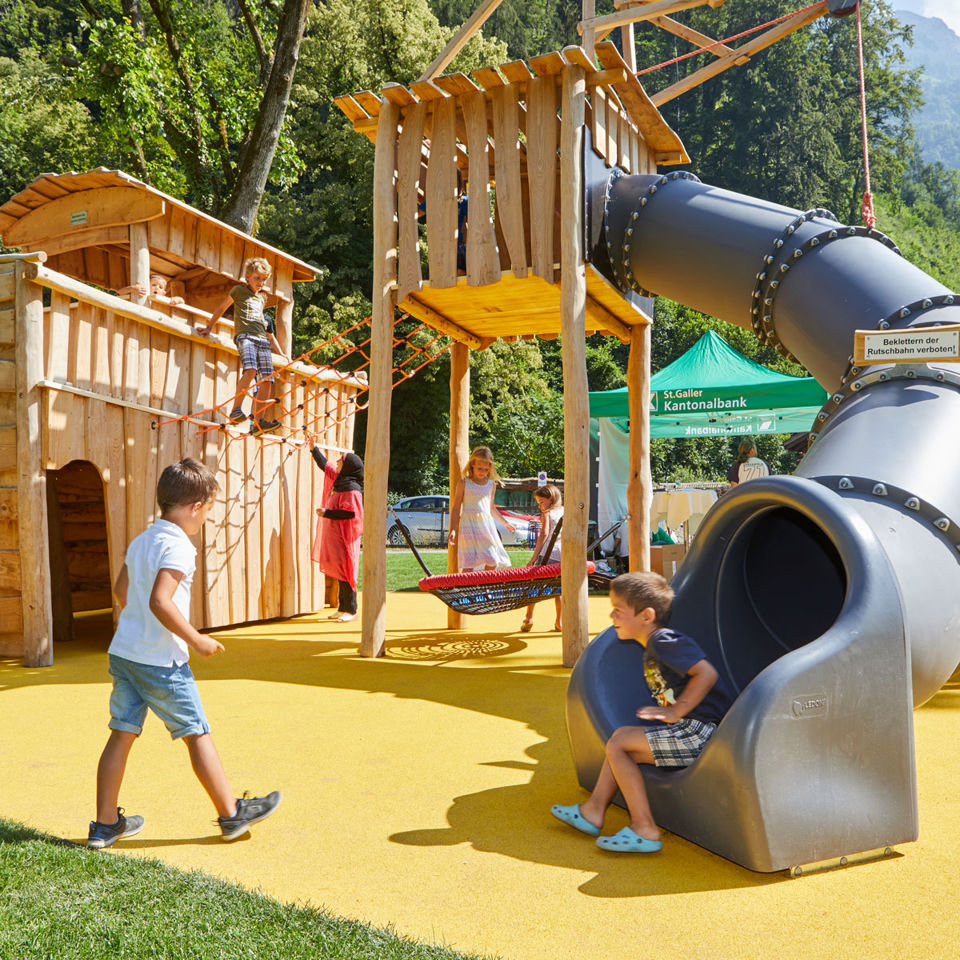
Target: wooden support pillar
<point x="576" y="417"/>
<point x="459" y="444"/>
<point x="31" y="476"/>
<point x="139" y="259"/>
<point x="629" y="49"/>
<point x="377" y="455"/>
<point x="589" y="34"/>
<point x="640" y="482"/>
<point x="284" y="325"/>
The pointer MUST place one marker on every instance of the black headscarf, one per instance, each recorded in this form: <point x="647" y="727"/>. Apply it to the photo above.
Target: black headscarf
<point x="350" y="476"/>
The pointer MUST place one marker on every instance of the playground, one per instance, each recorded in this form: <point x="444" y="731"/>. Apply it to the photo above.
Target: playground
<point x="420" y="748"/>
<point x="417" y="790"/>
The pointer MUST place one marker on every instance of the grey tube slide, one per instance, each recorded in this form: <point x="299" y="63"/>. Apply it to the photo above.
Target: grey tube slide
<point x="829" y="600"/>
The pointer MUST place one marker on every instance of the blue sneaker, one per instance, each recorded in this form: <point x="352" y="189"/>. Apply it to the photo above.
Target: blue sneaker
<point x="250" y="810"/>
<point x="104" y="834"/>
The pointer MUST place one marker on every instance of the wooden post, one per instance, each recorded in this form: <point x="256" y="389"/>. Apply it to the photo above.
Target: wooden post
<point x="576" y="418"/>
<point x="31" y="476"/>
<point x="589" y="34"/>
<point x="284" y="326"/>
<point x="640" y="482"/>
<point x="377" y="455"/>
<point x="459" y="444"/>
<point x="629" y="48"/>
<point x="139" y="259"/>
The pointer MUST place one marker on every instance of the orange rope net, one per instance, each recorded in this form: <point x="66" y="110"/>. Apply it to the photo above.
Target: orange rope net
<point x="312" y="411"/>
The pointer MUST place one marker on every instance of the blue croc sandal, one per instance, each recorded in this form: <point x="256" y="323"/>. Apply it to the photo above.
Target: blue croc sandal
<point x="627" y="841"/>
<point x="572" y="817"/>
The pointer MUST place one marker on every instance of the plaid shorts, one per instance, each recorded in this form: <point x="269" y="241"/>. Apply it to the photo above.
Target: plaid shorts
<point x="679" y="744"/>
<point x="255" y="354"/>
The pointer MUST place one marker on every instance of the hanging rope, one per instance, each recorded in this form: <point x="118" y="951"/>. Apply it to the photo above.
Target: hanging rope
<point x="726" y="40"/>
<point x="866" y="210"/>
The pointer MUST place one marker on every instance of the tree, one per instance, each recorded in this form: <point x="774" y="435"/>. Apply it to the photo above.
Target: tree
<point x="187" y="94"/>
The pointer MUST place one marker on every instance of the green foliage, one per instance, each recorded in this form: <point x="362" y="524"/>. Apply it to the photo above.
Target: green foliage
<point x="41" y="129"/>
<point x="173" y="104"/>
<point x="786" y="126"/>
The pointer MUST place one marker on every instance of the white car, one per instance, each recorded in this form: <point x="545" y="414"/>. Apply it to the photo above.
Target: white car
<point x="427" y="519"/>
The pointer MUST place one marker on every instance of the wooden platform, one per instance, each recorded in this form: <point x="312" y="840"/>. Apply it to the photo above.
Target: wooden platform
<point x="519" y="309"/>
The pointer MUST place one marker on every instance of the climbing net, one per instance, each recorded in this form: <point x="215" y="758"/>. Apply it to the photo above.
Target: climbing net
<point x="315" y="406"/>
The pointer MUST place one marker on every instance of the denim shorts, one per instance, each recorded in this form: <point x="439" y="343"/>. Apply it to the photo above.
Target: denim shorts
<point x="170" y="692"/>
<point x="679" y="744"/>
<point x="255" y="354"/>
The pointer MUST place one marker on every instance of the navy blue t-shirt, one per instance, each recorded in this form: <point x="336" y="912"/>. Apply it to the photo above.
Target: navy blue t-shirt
<point x="667" y="657"/>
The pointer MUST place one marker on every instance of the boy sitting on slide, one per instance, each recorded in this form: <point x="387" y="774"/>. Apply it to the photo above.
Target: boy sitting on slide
<point x="690" y="702"/>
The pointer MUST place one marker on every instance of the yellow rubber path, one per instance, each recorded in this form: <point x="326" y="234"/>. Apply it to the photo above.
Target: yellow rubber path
<point x="417" y="791"/>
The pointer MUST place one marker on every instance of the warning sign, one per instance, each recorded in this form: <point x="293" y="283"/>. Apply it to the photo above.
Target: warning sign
<point x="917" y="345"/>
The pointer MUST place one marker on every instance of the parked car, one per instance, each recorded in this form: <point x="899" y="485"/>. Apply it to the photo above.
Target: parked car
<point x="428" y="521"/>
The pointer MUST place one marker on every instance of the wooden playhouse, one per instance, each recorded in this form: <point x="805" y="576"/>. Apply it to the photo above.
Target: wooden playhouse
<point x="98" y="393"/>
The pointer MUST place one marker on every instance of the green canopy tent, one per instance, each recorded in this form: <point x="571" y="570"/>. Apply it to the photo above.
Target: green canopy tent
<point x="714" y="391"/>
<point x="710" y="391"/>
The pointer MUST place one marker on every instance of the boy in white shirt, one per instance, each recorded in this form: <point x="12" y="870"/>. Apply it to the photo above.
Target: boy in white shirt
<point x="149" y="654"/>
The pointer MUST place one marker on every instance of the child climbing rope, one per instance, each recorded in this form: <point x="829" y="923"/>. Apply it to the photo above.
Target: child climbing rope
<point x="253" y="340"/>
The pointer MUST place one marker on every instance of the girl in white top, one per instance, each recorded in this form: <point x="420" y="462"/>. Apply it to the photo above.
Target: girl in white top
<point x="472" y="525"/>
<point x="550" y="502"/>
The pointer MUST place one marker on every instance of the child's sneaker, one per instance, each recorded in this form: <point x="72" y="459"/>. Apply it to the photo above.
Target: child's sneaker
<point x="236" y="415"/>
<point x="264" y="426"/>
<point x="104" y="834"/>
<point x="250" y="810"/>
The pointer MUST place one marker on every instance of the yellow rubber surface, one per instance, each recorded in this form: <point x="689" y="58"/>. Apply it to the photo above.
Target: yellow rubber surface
<point x="417" y="790"/>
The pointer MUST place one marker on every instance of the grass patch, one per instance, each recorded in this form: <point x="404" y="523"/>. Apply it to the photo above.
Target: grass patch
<point x="403" y="571"/>
<point x="60" y="900"/>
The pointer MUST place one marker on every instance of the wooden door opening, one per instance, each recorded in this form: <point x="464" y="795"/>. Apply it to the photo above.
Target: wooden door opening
<point x="80" y="586"/>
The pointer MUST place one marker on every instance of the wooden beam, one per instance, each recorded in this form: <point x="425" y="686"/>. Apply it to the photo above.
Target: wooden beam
<point x="377" y="454"/>
<point x="460" y="38"/>
<point x="459" y="445"/>
<point x="629" y="47"/>
<point x="664" y="143"/>
<point x="605" y="320"/>
<point x="639" y="481"/>
<point x="741" y="54"/>
<point x="634" y="14"/>
<point x="438" y="321"/>
<point x="694" y="36"/>
<point x="589" y="13"/>
<point x="60" y="283"/>
<point x="139" y="261"/>
<point x="36" y="605"/>
<point x="576" y="418"/>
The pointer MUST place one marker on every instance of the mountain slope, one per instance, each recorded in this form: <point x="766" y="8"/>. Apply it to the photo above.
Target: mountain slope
<point x="937" y="49"/>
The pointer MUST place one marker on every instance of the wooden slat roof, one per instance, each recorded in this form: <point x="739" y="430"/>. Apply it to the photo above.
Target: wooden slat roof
<point x="51" y="186"/>
<point x="363" y="108"/>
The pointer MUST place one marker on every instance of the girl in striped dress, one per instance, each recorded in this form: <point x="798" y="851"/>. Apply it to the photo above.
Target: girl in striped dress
<point x="472" y="527"/>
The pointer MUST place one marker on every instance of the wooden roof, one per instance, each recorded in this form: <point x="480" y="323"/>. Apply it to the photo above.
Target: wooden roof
<point x="363" y="108"/>
<point x="53" y="207"/>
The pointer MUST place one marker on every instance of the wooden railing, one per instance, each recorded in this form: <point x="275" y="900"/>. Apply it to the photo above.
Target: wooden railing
<point x="130" y="389"/>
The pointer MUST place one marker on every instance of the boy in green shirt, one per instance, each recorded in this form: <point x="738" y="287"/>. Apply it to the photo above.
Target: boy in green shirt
<point x="253" y="339"/>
